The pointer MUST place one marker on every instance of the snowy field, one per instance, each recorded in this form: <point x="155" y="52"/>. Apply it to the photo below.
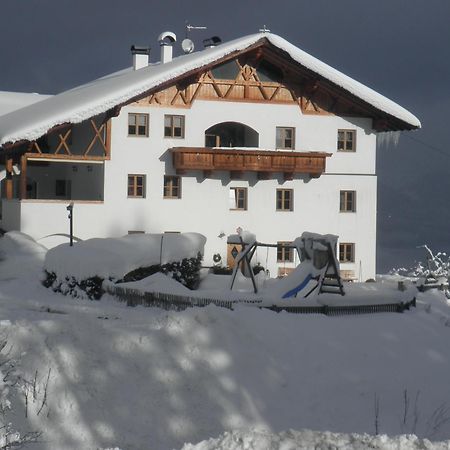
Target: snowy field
<point x="210" y="378"/>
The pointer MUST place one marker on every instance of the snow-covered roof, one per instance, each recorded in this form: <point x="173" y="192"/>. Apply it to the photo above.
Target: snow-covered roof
<point x="11" y="101"/>
<point x="103" y="94"/>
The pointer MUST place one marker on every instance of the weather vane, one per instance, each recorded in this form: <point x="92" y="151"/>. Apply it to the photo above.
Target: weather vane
<point x="264" y="29"/>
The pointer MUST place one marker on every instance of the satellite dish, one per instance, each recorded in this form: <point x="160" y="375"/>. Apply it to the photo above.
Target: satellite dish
<point x="187" y="45"/>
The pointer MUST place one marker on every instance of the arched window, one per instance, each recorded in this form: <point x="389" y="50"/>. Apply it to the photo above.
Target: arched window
<point x="231" y="134"/>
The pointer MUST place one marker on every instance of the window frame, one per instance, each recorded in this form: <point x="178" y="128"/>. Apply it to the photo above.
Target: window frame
<point x="135" y="186"/>
<point x="169" y="185"/>
<point x="283" y="138"/>
<point x="283" y="200"/>
<point x="172" y="127"/>
<point x="284" y="254"/>
<point x="147" y="124"/>
<point x="346" y="249"/>
<point x="352" y="132"/>
<point x="344" y="201"/>
<point x="237" y="189"/>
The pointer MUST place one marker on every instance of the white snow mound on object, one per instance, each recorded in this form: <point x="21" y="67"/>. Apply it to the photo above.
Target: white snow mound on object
<point x="307" y="439"/>
<point x="19" y="254"/>
<point x="115" y="257"/>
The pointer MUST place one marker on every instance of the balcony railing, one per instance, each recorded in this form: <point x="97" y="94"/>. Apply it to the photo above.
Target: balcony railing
<point x="264" y="162"/>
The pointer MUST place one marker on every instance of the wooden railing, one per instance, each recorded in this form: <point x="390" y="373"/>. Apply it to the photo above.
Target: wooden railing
<point x="264" y="162"/>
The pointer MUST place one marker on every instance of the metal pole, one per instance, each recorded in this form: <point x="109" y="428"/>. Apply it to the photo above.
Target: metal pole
<point x="70" y="209"/>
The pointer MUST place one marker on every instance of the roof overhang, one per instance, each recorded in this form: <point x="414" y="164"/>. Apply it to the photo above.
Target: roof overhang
<point x="109" y="94"/>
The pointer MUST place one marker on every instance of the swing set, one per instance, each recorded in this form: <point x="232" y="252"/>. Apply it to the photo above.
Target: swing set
<point x="316" y="253"/>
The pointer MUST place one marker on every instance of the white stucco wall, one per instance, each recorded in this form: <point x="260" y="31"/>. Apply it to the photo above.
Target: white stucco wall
<point x="204" y="206"/>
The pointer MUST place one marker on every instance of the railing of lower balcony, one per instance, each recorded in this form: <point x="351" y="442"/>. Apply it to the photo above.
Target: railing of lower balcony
<point x="264" y="162"/>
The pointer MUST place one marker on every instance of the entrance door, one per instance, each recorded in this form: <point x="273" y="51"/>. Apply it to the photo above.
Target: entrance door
<point x="232" y="252"/>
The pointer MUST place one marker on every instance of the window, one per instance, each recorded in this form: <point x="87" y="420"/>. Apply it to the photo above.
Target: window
<point x="238" y="198"/>
<point x="347" y="201"/>
<point x="174" y="126"/>
<point x="284" y="253"/>
<point x="136" y="186"/>
<point x="346" y="252"/>
<point x="286" y="138"/>
<point x="138" y="125"/>
<point x="62" y="188"/>
<point x="172" y="187"/>
<point x="226" y="71"/>
<point x="285" y="199"/>
<point x="346" y="140"/>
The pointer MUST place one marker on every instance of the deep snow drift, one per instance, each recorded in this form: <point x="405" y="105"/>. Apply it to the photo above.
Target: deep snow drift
<point x="143" y="378"/>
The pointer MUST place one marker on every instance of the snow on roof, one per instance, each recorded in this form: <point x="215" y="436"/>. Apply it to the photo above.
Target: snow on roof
<point x="11" y="101"/>
<point x="101" y="95"/>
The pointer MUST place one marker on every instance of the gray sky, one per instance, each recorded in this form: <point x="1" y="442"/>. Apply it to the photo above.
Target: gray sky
<point x="400" y="48"/>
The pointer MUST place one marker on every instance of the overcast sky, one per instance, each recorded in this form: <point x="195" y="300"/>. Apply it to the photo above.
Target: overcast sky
<point x="400" y="48"/>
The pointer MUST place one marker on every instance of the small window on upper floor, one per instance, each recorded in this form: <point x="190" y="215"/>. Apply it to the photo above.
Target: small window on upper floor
<point x="285" y="200"/>
<point x="138" y="125"/>
<point x="172" y="186"/>
<point x="346" y="140"/>
<point x="174" y="126"/>
<point x="347" y="201"/>
<point x="284" y="252"/>
<point x="238" y="198"/>
<point x="136" y="186"/>
<point x="285" y="138"/>
<point x="346" y="252"/>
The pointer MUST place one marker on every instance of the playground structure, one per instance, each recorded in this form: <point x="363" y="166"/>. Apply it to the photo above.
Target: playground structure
<point x="318" y="268"/>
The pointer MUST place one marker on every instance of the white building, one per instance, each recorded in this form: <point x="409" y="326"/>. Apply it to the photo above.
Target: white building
<point x="254" y="133"/>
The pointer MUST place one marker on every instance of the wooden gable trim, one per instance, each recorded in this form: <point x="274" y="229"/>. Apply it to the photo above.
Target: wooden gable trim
<point x="192" y="74"/>
<point x="308" y="89"/>
<point x="383" y="121"/>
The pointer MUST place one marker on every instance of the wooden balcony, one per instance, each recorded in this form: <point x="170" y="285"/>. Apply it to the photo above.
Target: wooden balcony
<point x="237" y="161"/>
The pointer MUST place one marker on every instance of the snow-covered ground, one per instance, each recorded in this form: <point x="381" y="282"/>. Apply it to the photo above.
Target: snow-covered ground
<point x="210" y="378"/>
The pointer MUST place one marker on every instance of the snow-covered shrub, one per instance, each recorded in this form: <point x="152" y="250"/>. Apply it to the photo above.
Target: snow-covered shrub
<point x="79" y="271"/>
<point x="222" y="270"/>
<point x="186" y="271"/>
<point x="89" y="288"/>
<point x="436" y="265"/>
<point x="112" y="258"/>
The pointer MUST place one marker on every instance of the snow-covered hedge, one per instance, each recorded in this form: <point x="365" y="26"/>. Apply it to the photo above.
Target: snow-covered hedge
<point x="436" y="265"/>
<point x="80" y="270"/>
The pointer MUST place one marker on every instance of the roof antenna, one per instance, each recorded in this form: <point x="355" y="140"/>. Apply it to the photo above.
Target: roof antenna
<point x="190" y="27"/>
<point x="264" y="30"/>
<point x="188" y="45"/>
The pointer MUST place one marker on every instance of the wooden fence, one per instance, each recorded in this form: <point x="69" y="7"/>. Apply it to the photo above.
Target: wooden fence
<point x="176" y="302"/>
<point x="345" y="310"/>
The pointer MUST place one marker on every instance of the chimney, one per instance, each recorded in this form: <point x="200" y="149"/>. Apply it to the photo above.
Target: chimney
<point x="212" y="42"/>
<point x="166" y="39"/>
<point x="140" y="56"/>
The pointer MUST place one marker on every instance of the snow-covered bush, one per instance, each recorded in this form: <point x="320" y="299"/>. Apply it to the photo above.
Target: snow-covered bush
<point x="186" y="271"/>
<point x="79" y="271"/>
<point x="436" y="266"/>
<point x="90" y="287"/>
